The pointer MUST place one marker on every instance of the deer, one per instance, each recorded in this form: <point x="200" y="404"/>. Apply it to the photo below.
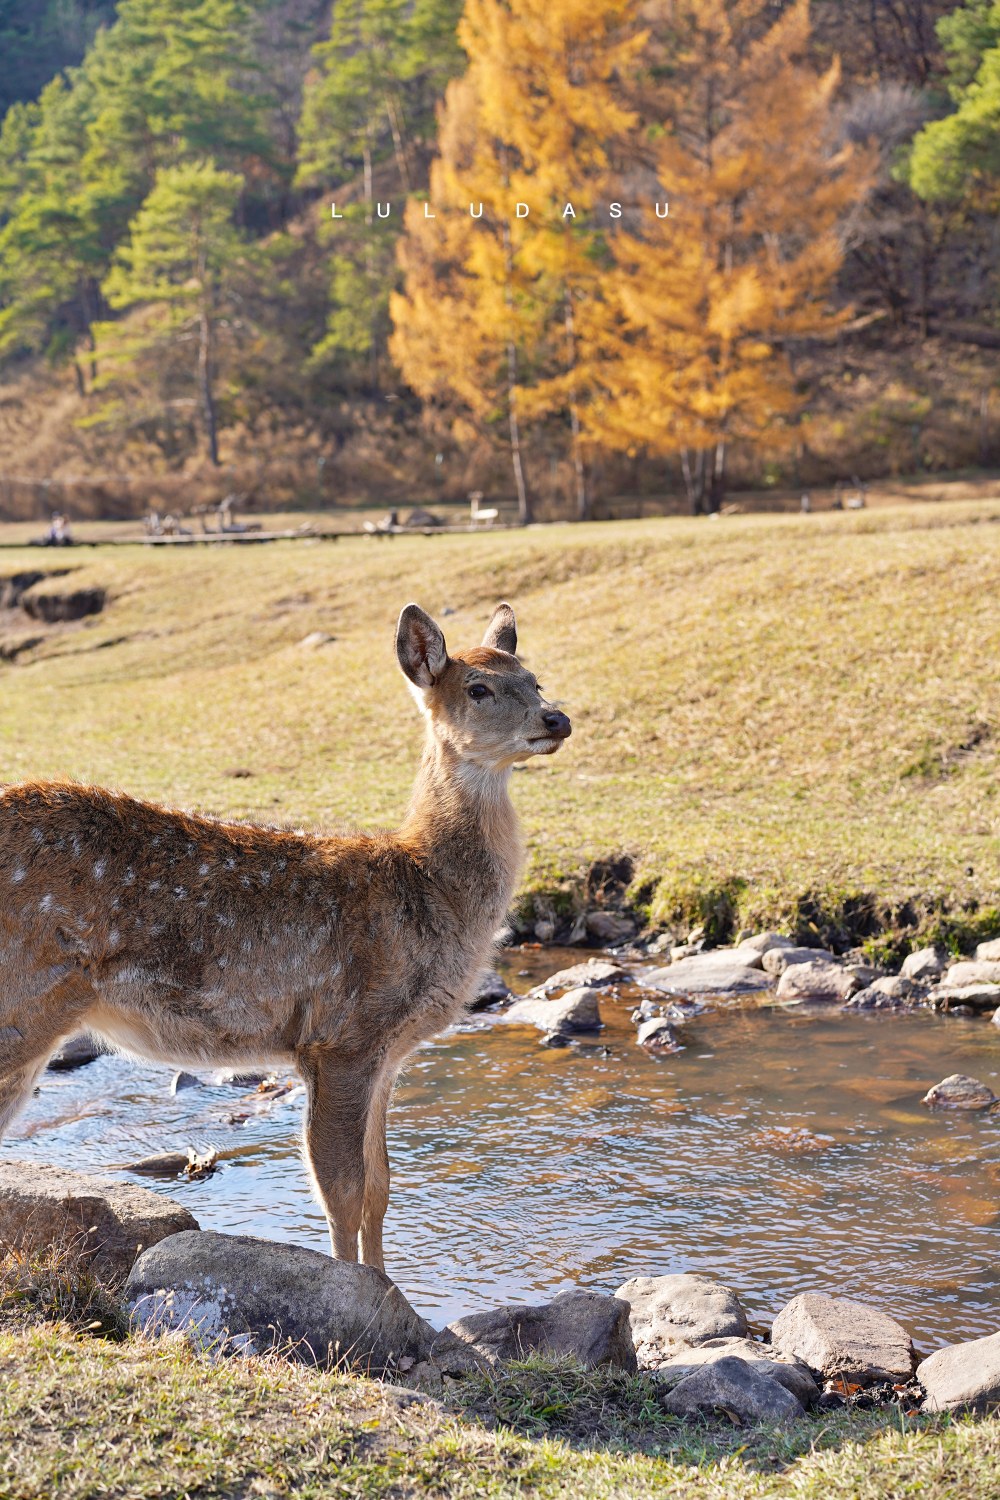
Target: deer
<point x="192" y="941"/>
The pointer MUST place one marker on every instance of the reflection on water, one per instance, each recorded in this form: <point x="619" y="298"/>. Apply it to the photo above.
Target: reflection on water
<point x="779" y="1151"/>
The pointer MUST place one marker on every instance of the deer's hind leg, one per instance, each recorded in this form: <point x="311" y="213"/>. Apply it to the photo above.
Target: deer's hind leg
<point x="339" y="1092"/>
<point x="30" y="1033"/>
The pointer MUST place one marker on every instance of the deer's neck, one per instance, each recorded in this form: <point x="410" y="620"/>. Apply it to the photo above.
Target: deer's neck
<point x="463" y="829"/>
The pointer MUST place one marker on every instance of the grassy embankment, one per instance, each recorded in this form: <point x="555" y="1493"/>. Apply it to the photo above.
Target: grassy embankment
<point x="780" y="718"/>
<point x="84" y="1416"/>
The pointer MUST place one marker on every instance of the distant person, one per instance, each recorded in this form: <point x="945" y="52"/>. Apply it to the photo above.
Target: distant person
<point x="58" y="534"/>
<point x="806" y="505"/>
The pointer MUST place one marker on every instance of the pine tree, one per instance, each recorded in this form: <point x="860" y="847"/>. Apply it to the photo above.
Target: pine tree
<point x="182" y="264"/>
<point x="706" y="301"/>
<point x="958" y="158"/>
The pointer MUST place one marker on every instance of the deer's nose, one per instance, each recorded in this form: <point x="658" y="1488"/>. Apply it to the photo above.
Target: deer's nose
<point x="557" y="724"/>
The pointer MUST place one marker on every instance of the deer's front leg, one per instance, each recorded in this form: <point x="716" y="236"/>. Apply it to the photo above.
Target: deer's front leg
<point x="376" y="1198"/>
<point x="339" y="1095"/>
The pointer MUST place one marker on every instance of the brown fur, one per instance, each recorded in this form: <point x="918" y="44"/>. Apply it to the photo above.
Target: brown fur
<point x="192" y="941"/>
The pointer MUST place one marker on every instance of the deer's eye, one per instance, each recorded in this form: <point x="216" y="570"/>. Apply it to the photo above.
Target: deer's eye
<point x="479" y="691"/>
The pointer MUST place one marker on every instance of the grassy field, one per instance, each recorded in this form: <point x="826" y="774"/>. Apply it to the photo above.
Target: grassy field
<point x="778" y="717"/>
<point x="82" y="1417"/>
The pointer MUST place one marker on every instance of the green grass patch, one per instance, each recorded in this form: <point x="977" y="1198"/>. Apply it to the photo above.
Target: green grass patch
<point x="779" y="719"/>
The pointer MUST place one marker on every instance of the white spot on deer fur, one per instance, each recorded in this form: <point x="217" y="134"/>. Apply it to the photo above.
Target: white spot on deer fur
<point x="100" y="866"/>
<point x="180" y="892"/>
<point x="154" y="885"/>
<point x="47" y="902"/>
<point x="154" y="841"/>
<point x="129" y="877"/>
<point x="230" y="863"/>
<point x="222" y="961"/>
<point x="265" y="877"/>
<point x="203" y="868"/>
<point x="114" y="938"/>
<point x="17" y="876"/>
<point x="76" y="846"/>
<point x="38" y="835"/>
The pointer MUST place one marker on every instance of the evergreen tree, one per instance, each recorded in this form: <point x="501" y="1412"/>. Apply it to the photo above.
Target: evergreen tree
<point x="958" y="157"/>
<point x="182" y="265"/>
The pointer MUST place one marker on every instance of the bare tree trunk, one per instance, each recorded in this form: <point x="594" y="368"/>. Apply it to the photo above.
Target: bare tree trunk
<point x="370" y="268"/>
<point x="205" y="385"/>
<point x="523" y="502"/>
<point x="582" y="497"/>
<point x="717" y="487"/>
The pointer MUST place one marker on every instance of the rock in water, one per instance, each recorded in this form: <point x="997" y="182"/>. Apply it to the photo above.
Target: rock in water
<point x="972" y="971"/>
<point x="838" y="1336"/>
<point x="106" y="1221"/>
<point x="816" y="980"/>
<point x="490" y="990"/>
<point x="657" y="1035"/>
<point x="575" y="1011"/>
<point x="763" y="942"/>
<point x="894" y="992"/>
<point x="733" y="1388"/>
<point x="777" y="960"/>
<point x="260" y="1295"/>
<point x="971" y="997"/>
<point x="596" y="973"/>
<point x="584" y="1326"/>
<point x="989" y="952"/>
<point x="963" y="1377"/>
<point x="958" y="1091"/>
<point x="670" y="1313"/>
<point x="182" y="1080"/>
<point x="75" y="1053"/>
<point x="720" y="971"/>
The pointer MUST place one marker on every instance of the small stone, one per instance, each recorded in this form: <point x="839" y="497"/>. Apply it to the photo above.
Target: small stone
<point x="989" y="951"/>
<point x="584" y="1326"/>
<point x="818" y="979"/>
<point x="545" y="929"/>
<point x="959" y="1091"/>
<point x="182" y="1080"/>
<point x="657" y="1035"/>
<point x="777" y="960"/>
<point x="554" y="1039"/>
<point x="671" y="1313"/>
<point x="837" y="1336"/>
<point x="972" y="971"/>
<point x="242" y="1079"/>
<point x="163" y="1164"/>
<point x="596" y="974"/>
<point x="736" y="1390"/>
<point x="926" y="964"/>
<point x="75" y="1053"/>
<point x="315" y="639"/>
<point x="576" y="1010"/>
<point x="963" y="1377"/>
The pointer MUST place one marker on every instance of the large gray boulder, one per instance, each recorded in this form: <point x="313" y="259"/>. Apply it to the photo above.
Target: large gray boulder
<point x="925" y="964"/>
<point x="763" y="942"/>
<point x="790" y="1373"/>
<point x="673" y="1313"/>
<point x="963" y="1377"/>
<point x="735" y="1389"/>
<point x="838" y="1336"/>
<point x="596" y="974"/>
<point x="104" y="1221"/>
<point x="576" y="1010"/>
<point x="720" y="971"/>
<point x="777" y="960"/>
<point x="989" y="951"/>
<point x="816" y="980"/>
<point x="236" y="1292"/>
<point x="75" y="1052"/>
<point x="585" y="1326"/>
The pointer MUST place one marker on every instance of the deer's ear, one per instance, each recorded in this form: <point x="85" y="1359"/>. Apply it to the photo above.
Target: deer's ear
<point x="420" y="647"/>
<point x="501" y="632"/>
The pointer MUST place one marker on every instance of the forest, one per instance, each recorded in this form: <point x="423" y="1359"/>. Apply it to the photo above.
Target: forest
<point x="275" y="247"/>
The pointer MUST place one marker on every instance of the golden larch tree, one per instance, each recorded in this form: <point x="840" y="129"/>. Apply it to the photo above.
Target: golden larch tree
<point x="487" y="313"/>
<point x="694" y="331"/>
